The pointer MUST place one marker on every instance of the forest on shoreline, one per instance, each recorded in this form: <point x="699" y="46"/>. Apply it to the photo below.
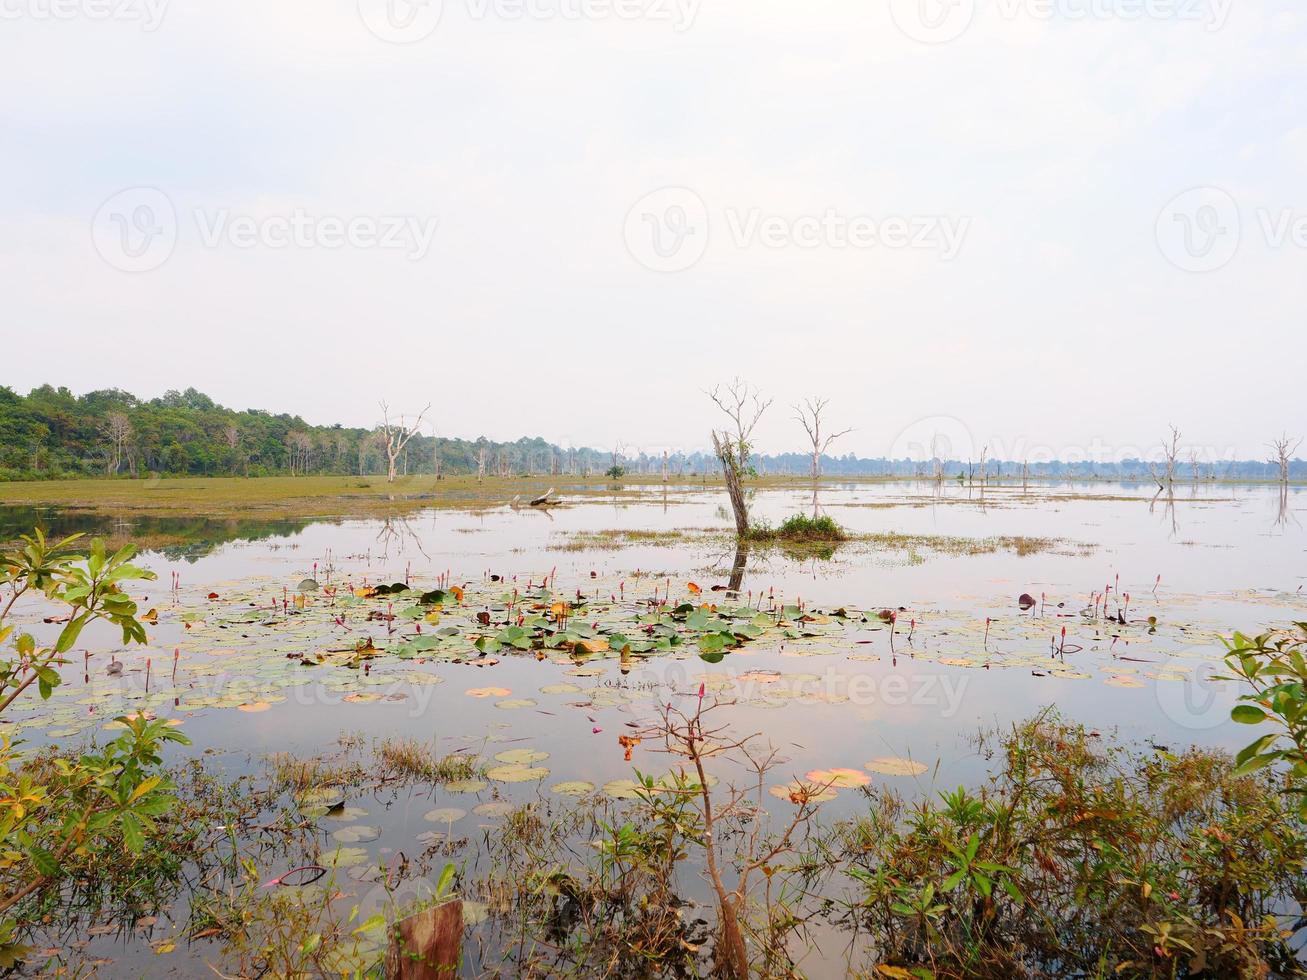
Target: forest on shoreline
<point x="52" y="433"/>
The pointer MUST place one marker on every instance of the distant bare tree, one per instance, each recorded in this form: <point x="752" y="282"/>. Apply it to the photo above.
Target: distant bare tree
<point x="936" y="460"/>
<point x="118" y="430"/>
<point x="1284" y="448"/>
<point x="481" y="464"/>
<point x="809" y="415"/>
<point x="300" y="447"/>
<point x="743" y="406"/>
<point x="1170" y="455"/>
<point x="397" y="433"/>
<point x="435" y="453"/>
<point x="1194" y="466"/>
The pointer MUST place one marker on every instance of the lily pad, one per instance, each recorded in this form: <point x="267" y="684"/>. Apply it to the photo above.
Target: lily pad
<point x="516" y="774"/>
<point x="521" y="757"/>
<point x="444" y="814"/>
<point x="894" y="766"/>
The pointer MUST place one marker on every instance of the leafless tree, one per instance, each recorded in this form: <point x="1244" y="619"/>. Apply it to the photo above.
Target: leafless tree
<point x="300" y="447"/>
<point x="617" y="469"/>
<point x="397" y="433"/>
<point x="1284" y="448"/>
<point x="1170" y="455"/>
<point x="481" y="464"/>
<point x="1195" y="467"/>
<point x="118" y="430"/>
<point x="743" y="406"/>
<point x="809" y="415"/>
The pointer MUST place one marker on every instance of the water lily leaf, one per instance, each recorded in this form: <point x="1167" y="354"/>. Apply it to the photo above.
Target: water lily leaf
<point x="574" y="787"/>
<point x="894" y="766"/>
<point x="465" y="786"/>
<point x="516" y="774"/>
<point x="522" y="756"/>
<point x="444" y="814"/>
<point x="356" y="834"/>
<point x="839" y="778"/>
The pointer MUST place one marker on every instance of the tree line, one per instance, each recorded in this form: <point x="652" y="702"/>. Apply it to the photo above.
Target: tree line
<point x="50" y="433"/>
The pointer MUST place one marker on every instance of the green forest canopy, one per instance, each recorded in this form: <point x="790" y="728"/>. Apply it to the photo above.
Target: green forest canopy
<point x="53" y="434"/>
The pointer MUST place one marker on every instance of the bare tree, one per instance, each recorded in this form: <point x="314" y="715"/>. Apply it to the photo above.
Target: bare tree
<point x="397" y="434"/>
<point x="1194" y="466"/>
<point x="481" y="464"/>
<point x="743" y="406"/>
<point x="1170" y="455"/>
<point x="1284" y="448"/>
<point x="809" y="415"/>
<point x="118" y="430"/>
<point x="300" y="447"/>
<point x="435" y="453"/>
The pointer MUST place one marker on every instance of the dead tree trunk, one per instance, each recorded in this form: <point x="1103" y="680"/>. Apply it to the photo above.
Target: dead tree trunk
<point x="744" y="407"/>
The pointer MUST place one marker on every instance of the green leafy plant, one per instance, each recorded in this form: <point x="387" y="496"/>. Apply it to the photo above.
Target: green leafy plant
<point x="1274" y="665"/>
<point x="59" y="813"/>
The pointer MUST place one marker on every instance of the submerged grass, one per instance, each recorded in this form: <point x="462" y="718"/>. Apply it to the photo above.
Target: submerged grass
<point x="409" y="758"/>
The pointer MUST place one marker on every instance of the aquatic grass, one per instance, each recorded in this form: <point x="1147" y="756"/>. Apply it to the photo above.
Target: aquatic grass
<point x="409" y="758"/>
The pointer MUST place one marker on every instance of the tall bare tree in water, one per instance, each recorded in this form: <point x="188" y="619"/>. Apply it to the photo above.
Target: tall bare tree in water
<point x="809" y="415"/>
<point x="118" y="430"/>
<point x="743" y="406"/>
<point x="397" y="433"/>
<point x="1284" y="448"/>
<point x="1170" y="455"/>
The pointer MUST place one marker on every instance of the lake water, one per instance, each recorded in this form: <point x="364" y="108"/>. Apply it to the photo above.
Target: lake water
<point x="951" y="561"/>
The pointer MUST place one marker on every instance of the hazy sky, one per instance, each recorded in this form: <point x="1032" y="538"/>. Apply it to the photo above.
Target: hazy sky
<point x="1052" y="226"/>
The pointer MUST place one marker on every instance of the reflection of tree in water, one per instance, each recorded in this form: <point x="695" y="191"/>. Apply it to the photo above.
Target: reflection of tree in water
<point x="738" y="566"/>
<point x="1168" y="507"/>
<point x="175" y="538"/>
<point x="398" y="532"/>
<point x="1283" y="515"/>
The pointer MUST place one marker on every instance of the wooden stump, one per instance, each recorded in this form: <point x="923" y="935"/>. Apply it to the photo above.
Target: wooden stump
<point x="426" y="946"/>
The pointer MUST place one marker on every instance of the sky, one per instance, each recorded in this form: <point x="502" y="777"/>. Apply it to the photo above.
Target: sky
<point x="1046" y="227"/>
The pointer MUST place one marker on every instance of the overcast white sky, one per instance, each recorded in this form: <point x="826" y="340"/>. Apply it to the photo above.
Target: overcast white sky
<point x="177" y="181"/>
